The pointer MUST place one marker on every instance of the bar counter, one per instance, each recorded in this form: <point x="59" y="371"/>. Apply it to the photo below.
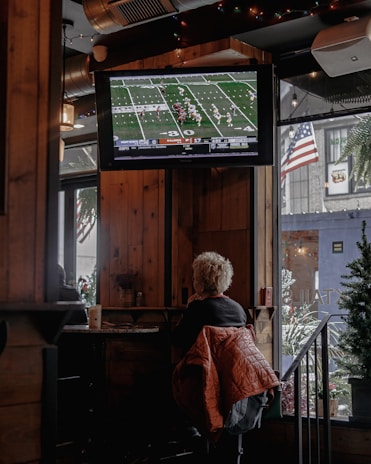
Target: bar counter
<point x="109" y="378"/>
<point x="111" y="330"/>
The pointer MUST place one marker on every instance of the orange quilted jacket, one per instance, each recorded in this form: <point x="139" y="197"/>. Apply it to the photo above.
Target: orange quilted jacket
<point x="222" y="367"/>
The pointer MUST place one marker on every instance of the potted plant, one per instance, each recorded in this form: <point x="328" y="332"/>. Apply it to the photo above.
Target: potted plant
<point x="87" y="287"/>
<point x="126" y="285"/>
<point x="358" y="145"/>
<point x="337" y="390"/>
<point x="355" y="340"/>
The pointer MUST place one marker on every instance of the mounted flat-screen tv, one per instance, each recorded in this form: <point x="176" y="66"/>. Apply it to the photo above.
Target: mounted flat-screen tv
<point x="185" y="117"/>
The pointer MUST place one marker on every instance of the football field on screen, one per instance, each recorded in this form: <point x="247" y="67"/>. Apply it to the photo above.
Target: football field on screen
<point x="149" y="108"/>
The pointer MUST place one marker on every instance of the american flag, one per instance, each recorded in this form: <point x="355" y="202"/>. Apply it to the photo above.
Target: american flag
<point x="301" y="151"/>
<point x="83" y="224"/>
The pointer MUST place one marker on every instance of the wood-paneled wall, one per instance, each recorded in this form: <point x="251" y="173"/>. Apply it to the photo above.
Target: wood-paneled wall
<point x="131" y="238"/>
<point x="265" y="219"/>
<point x="211" y="211"/>
<point x="228" y="210"/>
<point x="208" y="209"/>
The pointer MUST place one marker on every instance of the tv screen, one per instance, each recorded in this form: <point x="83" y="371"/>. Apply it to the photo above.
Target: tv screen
<point x="195" y="117"/>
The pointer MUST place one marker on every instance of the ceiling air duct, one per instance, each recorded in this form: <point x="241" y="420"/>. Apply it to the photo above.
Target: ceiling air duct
<point x="78" y="79"/>
<point x="107" y="16"/>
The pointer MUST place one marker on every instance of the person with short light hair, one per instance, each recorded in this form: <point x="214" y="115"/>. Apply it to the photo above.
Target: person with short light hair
<point x="212" y="276"/>
<point x="208" y="306"/>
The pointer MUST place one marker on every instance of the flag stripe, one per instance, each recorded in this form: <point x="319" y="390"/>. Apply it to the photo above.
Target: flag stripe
<point x="301" y="151"/>
<point x="301" y="160"/>
<point x="83" y="228"/>
<point x="84" y="232"/>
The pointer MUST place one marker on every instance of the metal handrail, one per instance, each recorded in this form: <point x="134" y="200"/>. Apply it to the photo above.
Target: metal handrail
<point x="302" y="353"/>
<point x="296" y="369"/>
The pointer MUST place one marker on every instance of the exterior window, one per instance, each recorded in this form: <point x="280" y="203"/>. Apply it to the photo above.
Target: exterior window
<point x="86" y="243"/>
<point x="78" y="235"/>
<point x="299" y="194"/>
<point x="339" y="179"/>
<point x="299" y="160"/>
<point x="79" y="159"/>
<point x="322" y="211"/>
<point x="77" y="250"/>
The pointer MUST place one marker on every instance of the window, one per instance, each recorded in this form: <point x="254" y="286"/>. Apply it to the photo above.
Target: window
<point x="77" y="241"/>
<point x="79" y="159"/>
<point x="322" y="210"/>
<point x="299" y="192"/>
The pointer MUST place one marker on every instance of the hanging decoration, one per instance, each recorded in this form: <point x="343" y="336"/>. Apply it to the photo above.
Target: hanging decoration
<point x="264" y="13"/>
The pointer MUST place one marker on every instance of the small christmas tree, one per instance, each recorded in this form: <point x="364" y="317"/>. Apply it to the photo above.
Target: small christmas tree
<point x="355" y="341"/>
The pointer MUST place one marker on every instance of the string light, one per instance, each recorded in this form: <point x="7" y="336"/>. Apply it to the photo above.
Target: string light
<point x="269" y="17"/>
<point x="82" y="36"/>
<point x="294" y="101"/>
<point x="179" y="55"/>
<point x="284" y="14"/>
<point x="254" y="12"/>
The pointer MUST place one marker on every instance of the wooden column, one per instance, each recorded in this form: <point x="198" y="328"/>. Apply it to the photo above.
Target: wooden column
<point x="32" y="102"/>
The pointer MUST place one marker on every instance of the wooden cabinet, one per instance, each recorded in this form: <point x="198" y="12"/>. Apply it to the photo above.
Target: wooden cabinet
<point x="82" y="395"/>
<point x="28" y="381"/>
<point x="114" y="389"/>
<point x="132" y="365"/>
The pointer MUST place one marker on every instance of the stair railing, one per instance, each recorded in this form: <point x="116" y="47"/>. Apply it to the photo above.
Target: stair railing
<point x="312" y="359"/>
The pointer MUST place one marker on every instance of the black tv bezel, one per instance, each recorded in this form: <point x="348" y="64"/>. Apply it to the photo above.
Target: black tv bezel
<point x="265" y="101"/>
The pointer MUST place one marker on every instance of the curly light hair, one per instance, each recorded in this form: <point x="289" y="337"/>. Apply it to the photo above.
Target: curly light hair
<point x="212" y="273"/>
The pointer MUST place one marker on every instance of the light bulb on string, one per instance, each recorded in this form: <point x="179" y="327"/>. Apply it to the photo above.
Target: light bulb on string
<point x="294" y="100"/>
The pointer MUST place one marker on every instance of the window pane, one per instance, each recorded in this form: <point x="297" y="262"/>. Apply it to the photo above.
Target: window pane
<point x="86" y="242"/>
<point x="319" y="95"/>
<point x="79" y="159"/>
<point x="322" y="209"/>
<point x="61" y="210"/>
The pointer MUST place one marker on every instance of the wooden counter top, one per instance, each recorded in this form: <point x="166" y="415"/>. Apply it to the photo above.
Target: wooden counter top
<point x="48" y="318"/>
<point x="55" y="306"/>
<point x="118" y="329"/>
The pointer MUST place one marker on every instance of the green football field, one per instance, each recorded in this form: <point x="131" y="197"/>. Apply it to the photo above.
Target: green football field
<point x="143" y="108"/>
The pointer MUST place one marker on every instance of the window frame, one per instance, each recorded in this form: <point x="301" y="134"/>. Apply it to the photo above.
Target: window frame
<point x="69" y="186"/>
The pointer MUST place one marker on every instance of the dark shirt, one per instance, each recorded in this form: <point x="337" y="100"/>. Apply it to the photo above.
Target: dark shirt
<point x="69" y="293"/>
<point x="216" y="311"/>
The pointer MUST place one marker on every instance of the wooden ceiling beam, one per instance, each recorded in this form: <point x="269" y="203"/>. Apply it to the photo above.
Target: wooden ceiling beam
<point x="221" y="52"/>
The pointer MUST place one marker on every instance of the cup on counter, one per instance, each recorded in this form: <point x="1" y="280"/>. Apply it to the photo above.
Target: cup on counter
<point x="95" y="317"/>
